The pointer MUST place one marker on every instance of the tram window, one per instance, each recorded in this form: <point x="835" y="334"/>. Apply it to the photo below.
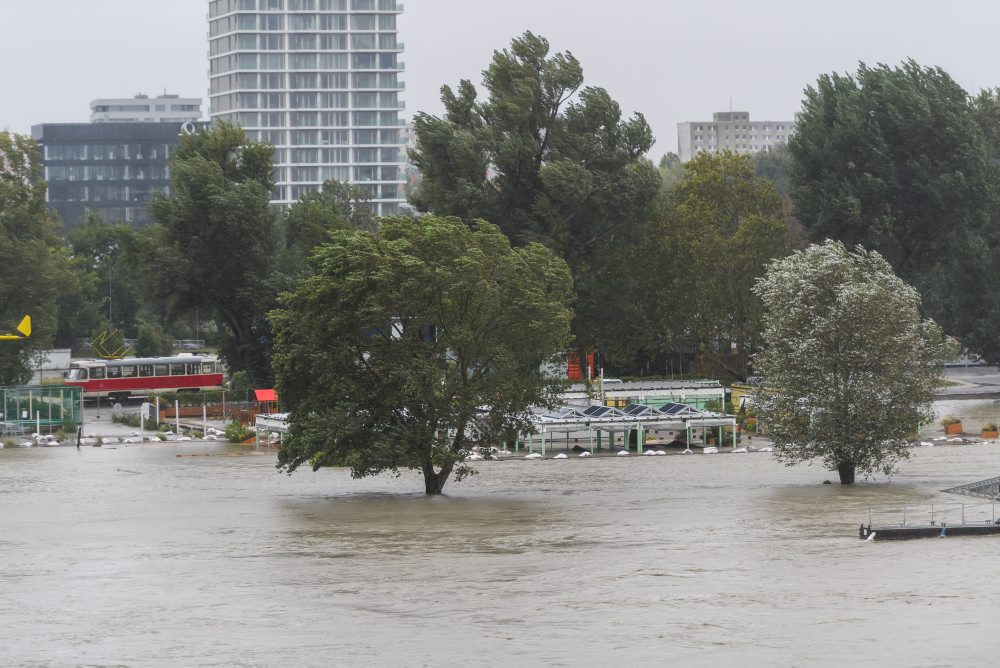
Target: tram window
<point x="128" y="371"/>
<point x="145" y="369"/>
<point x="208" y="367"/>
<point x="76" y="373"/>
<point x="193" y="368"/>
<point x="114" y="372"/>
<point x="177" y="369"/>
<point x="97" y="372"/>
<point x="161" y="369"/>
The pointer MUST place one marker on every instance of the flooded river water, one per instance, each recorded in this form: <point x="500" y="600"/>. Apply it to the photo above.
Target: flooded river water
<point x="137" y="556"/>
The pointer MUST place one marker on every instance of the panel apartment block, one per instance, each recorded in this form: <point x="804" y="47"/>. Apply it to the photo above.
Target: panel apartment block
<point x="730" y="131"/>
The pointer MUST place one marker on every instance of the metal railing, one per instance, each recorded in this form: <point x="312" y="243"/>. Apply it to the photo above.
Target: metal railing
<point x="933" y="514"/>
<point x="989" y="488"/>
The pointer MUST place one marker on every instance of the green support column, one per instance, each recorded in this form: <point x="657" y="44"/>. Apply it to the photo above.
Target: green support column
<point x="599" y="433"/>
<point x="531" y="443"/>
<point x="590" y="437"/>
<point x="688" y="427"/>
<point x="640" y="438"/>
<point x="517" y="442"/>
<point x="543" y="443"/>
<point x="734" y="434"/>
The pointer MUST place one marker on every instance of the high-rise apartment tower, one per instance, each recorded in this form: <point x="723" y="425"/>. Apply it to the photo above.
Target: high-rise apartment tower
<point x="318" y="79"/>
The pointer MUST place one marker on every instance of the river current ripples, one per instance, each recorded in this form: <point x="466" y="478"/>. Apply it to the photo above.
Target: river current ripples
<point x="133" y="555"/>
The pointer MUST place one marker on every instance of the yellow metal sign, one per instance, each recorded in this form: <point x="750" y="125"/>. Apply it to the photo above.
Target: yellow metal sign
<point x="109" y="345"/>
<point x="23" y="329"/>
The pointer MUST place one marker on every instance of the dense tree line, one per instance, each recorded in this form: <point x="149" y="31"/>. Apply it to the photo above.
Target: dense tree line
<point x="213" y="263"/>
<point x="541" y="178"/>
<point x="898" y="160"/>
<point x="662" y="258"/>
<point x="903" y="161"/>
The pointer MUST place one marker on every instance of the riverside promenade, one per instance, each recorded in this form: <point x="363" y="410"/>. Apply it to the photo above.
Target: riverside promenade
<point x="972" y="381"/>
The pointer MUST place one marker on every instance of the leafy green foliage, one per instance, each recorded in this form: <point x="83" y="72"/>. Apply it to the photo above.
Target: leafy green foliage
<point x="775" y="165"/>
<point x="108" y="259"/>
<point x="850" y="368"/>
<point x="153" y="341"/>
<point x="544" y="159"/>
<point x="716" y="237"/>
<point x="33" y="266"/>
<point x="900" y="161"/>
<point x="215" y="241"/>
<point x="308" y="223"/>
<point x="671" y="170"/>
<point x="236" y="432"/>
<point x="387" y="354"/>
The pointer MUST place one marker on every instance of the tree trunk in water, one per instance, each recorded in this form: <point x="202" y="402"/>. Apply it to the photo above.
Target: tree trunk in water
<point x="434" y="481"/>
<point x="846" y="472"/>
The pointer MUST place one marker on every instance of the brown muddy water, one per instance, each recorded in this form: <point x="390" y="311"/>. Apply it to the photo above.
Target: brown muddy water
<point x="136" y="556"/>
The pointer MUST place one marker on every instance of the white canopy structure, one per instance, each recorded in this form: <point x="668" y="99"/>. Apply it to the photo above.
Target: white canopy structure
<point x="634" y="418"/>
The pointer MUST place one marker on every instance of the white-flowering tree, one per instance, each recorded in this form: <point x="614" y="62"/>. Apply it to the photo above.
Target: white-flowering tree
<point x="849" y="367"/>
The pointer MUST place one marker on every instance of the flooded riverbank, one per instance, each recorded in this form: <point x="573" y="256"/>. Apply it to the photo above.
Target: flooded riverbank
<point x="137" y="556"/>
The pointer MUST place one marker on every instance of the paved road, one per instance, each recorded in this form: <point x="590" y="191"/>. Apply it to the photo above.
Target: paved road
<point x="971" y="381"/>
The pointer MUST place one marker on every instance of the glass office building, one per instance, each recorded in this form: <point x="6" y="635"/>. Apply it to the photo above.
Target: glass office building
<point x="112" y="169"/>
<point x="318" y="79"/>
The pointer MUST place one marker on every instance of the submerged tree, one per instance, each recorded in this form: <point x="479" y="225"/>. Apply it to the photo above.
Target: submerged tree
<point x="389" y="354"/>
<point x="849" y="367"/>
<point x="216" y="240"/>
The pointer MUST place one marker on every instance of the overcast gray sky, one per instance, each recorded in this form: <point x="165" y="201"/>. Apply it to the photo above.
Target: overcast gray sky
<point x="673" y="61"/>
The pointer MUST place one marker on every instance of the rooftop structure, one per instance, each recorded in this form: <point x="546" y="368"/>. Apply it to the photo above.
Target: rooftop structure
<point x="141" y="108"/>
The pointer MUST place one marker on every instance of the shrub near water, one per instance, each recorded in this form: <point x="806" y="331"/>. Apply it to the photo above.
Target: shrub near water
<point x="130" y="419"/>
<point x="237" y="432"/>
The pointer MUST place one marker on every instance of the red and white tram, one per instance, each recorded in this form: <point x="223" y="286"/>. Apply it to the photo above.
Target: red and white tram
<point x="139" y="376"/>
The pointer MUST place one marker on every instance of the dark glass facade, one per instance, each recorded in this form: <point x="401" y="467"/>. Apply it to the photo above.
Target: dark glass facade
<point x="113" y="169"/>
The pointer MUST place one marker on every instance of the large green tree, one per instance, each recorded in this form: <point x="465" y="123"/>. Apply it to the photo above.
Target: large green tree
<point x="215" y="242"/>
<point x="544" y="159"/>
<point x="849" y="367"/>
<point x="33" y="266"/>
<point x="897" y="159"/>
<point x="671" y="170"/>
<point x="720" y="230"/>
<point x="388" y="356"/>
<point x="310" y="220"/>
<point x="110" y="257"/>
<point x="775" y="165"/>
